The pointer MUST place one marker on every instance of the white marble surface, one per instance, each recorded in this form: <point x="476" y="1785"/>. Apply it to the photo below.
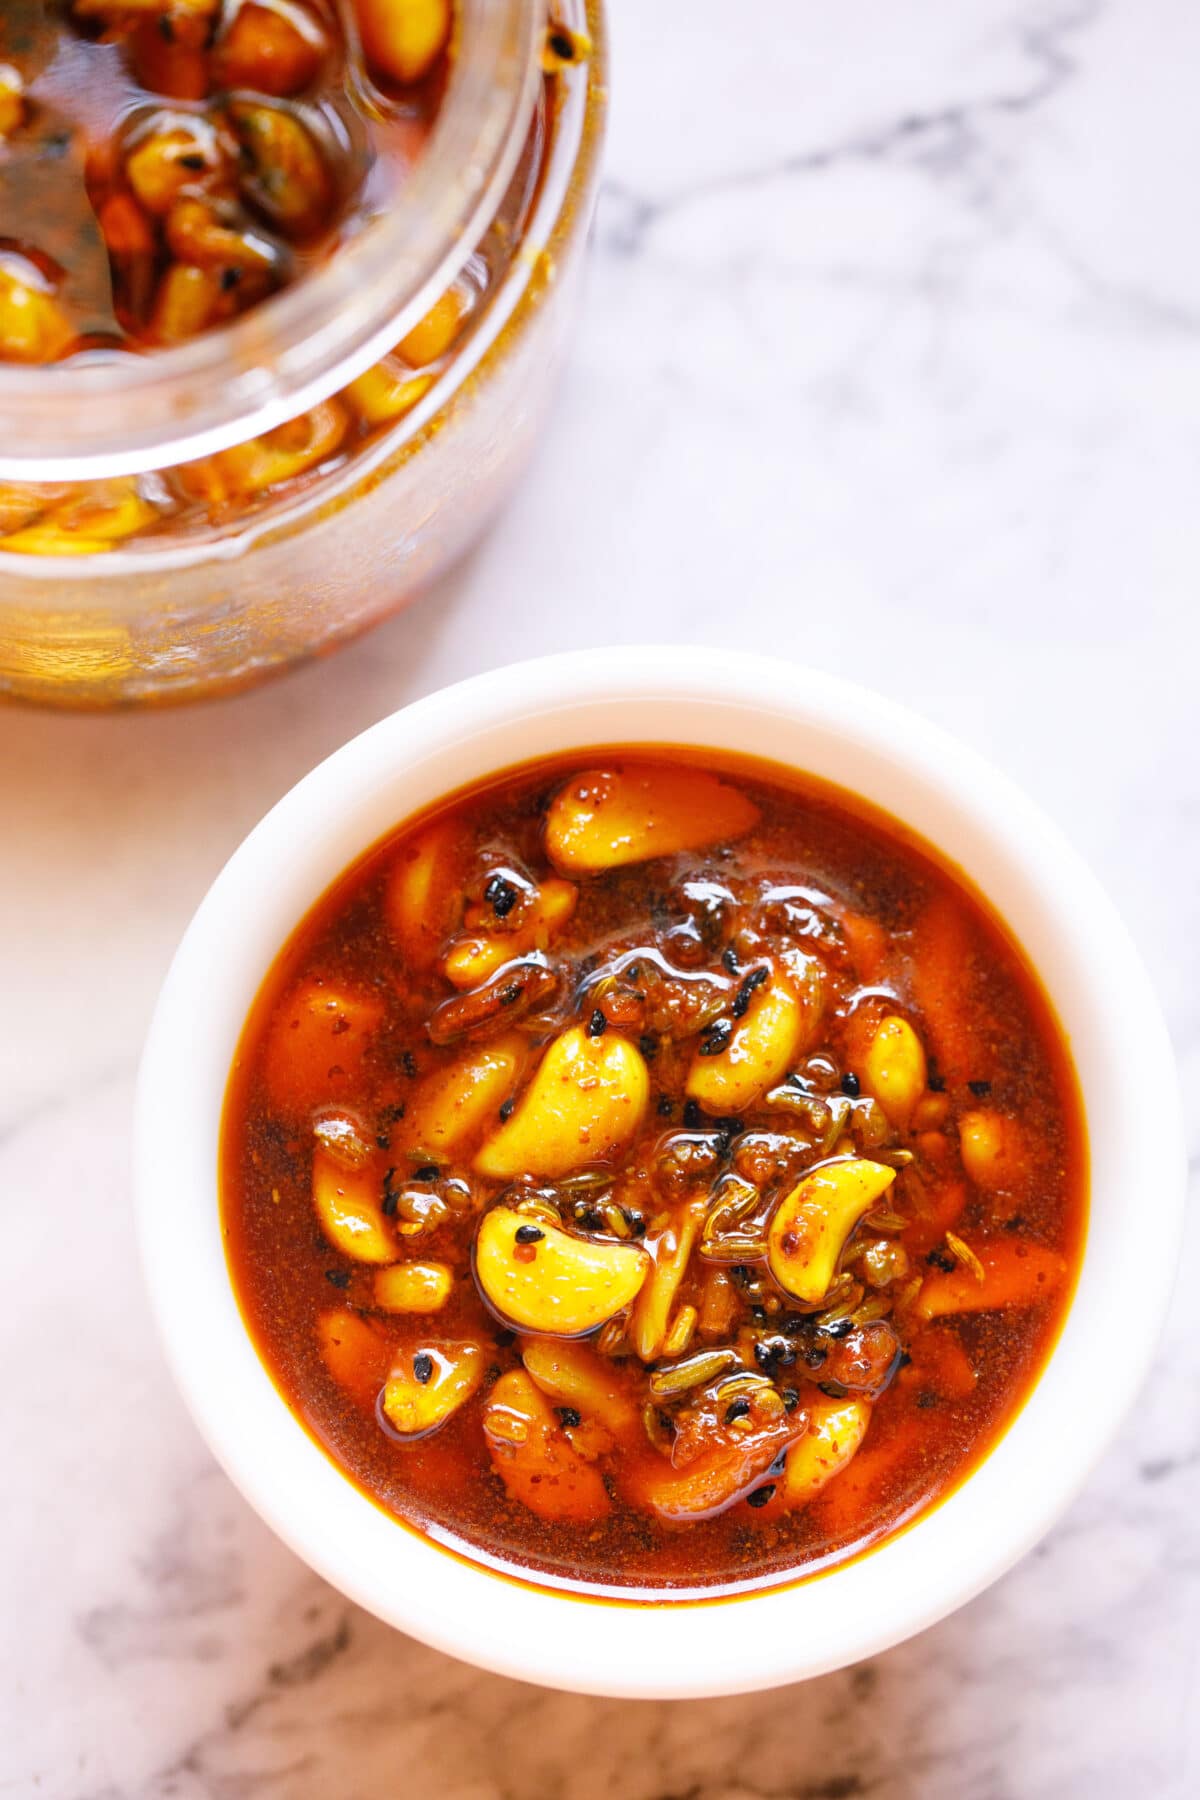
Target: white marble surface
<point x="891" y="362"/>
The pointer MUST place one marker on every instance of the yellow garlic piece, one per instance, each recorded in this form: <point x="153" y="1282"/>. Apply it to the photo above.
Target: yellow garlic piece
<point x="110" y="512"/>
<point x="895" y="1069"/>
<point x="470" y="960"/>
<point x="354" y="1352"/>
<point x="85" y="523"/>
<point x="535" y="1459"/>
<point x="33" y="326"/>
<point x="279" y="455"/>
<point x="423" y="901"/>
<point x="429" y="1382"/>
<point x="836" y="1428"/>
<point x="49" y="539"/>
<point x="810" y="1226"/>
<point x="627" y="814"/>
<point x="433" y="335"/>
<point x="585" y="1101"/>
<point x="161" y="165"/>
<point x="413" y="1287"/>
<point x="539" y="1278"/>
<point x="402" y="39"/>
<point x="990" y="1149"/>
<point x="452" y="1106"/>
<point x="386" y="391"/>
<point x="931" y="1113"/>
<point x="347" y="1203"/>
<point x="757" y="1055"/>
<point x="575" y="1376"/>
<point x="12" y="100"/>
<point x="184" y="306"/>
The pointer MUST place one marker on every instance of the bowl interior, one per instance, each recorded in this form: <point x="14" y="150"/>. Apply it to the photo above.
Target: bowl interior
<point x="653" y="1645"/>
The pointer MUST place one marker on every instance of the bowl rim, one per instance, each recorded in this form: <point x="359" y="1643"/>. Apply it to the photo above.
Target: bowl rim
<point x="1088" y="967"/>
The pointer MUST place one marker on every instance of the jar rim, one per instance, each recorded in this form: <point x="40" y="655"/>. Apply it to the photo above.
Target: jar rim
<point x="79" y="421"/>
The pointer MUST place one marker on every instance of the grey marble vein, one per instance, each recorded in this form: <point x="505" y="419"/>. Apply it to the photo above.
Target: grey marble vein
<point x="939" y="139"/>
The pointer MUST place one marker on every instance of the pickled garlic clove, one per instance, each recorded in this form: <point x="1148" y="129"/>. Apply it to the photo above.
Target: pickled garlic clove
<point x="87" y="523"/>
<point x="348" y="1209"/>
<point x="451" y="1107"/>
<point x="316" y="1045"/>
<point x="413" y="1287"/>
<point x="472" y="958"/>
<point x="355" y="1353"/>
<point x="424" y="896"/>
<point x="753" y="1053"/>
<point x="534" y="1458"/>
<point x="810" y="1225"/>
<point x="13" y="105"/>
<point x="48" y="539"/>
<point x="539" y="1278"/>
<point x="271" y="49"/>
<point x="428" y="1382"/>
<point x="585" y="1102"/>
<point x="278" y="456"/>
<point x="432" y="336"/>
<point x="894" y="1069"/>
<point x="386" y="391"/>
<point x="179" y="154"/>
<point x="627" y="814"/>
<point x="185" y="305"/>
<point x="402" y="39"/>
<point x="574" y="1376"/>
<point x="197" y="233"/>
<point x="991" y="1150"/>
<point x="836" y="1428"/>
<point x="33" y="326"/>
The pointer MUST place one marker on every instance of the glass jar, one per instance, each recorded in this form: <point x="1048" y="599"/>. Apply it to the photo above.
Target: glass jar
<point x="214" y="597"/>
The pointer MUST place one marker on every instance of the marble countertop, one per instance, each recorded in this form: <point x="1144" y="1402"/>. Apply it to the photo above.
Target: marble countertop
<point x="890" y="363"/>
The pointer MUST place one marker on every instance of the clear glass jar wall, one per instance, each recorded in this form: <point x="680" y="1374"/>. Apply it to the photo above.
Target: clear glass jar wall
<point x="260" y="553"/>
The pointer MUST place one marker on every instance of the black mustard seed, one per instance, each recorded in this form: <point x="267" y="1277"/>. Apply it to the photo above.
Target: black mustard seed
<point x="716" y="1038"/>
<point x="741" y="1000"/>
<point x="501" y="896"/>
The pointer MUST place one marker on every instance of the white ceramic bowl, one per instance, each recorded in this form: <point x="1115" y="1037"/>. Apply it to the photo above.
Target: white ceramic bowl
<point x="650" y="1646"/>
